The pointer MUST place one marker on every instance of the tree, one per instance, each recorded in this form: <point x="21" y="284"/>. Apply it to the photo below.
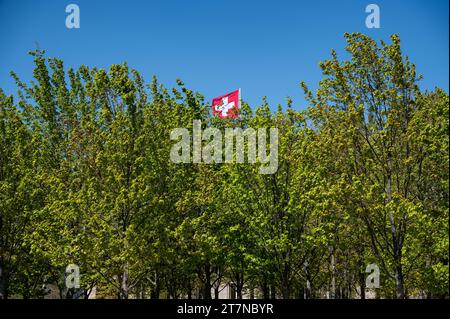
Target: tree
<point x="86" y="178"/>
<point x="367" y="106"/>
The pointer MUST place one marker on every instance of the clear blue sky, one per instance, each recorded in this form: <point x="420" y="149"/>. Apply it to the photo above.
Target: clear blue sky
<point x="215" y="46"/>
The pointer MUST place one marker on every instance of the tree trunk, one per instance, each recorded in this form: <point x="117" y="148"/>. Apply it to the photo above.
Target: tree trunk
<point x="189" y="290"/>
<point x="207" y="283"/>
<point x="155" y="291"/>
<point x="239" y="285"/>
<point x="124" y="285"/>
<point x="308" y="290"/>
<point x="362" y="285"/>
<point x="333" y="274"/>
<point x="286" y="285"/>
<point x="399" y="287"/>
<point x="239" y="291"/>
<point x="3" y="280"/>
<point x="265" y="288"/>
<point x="216" y="292"/>
<point x="272" y="292"/>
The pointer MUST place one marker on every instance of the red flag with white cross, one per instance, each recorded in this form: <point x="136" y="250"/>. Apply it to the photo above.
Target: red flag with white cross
<point x="227" y="105"/>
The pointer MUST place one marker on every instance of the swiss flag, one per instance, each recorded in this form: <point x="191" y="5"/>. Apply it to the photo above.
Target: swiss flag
<point x="227" y="105"/>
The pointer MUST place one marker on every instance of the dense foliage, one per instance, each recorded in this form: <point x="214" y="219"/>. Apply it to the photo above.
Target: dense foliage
<point x="86" y="179"/>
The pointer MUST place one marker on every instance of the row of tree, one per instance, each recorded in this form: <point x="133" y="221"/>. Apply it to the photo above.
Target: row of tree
<point x="86" y="179"/>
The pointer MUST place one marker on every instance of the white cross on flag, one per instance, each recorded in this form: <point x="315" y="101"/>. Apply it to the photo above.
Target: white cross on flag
<point x="227" y="105"/>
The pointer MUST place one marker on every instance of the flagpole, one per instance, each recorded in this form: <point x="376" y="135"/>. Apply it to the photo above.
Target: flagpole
<point x="239" y="107"/>
<point x="239" y="98"/>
